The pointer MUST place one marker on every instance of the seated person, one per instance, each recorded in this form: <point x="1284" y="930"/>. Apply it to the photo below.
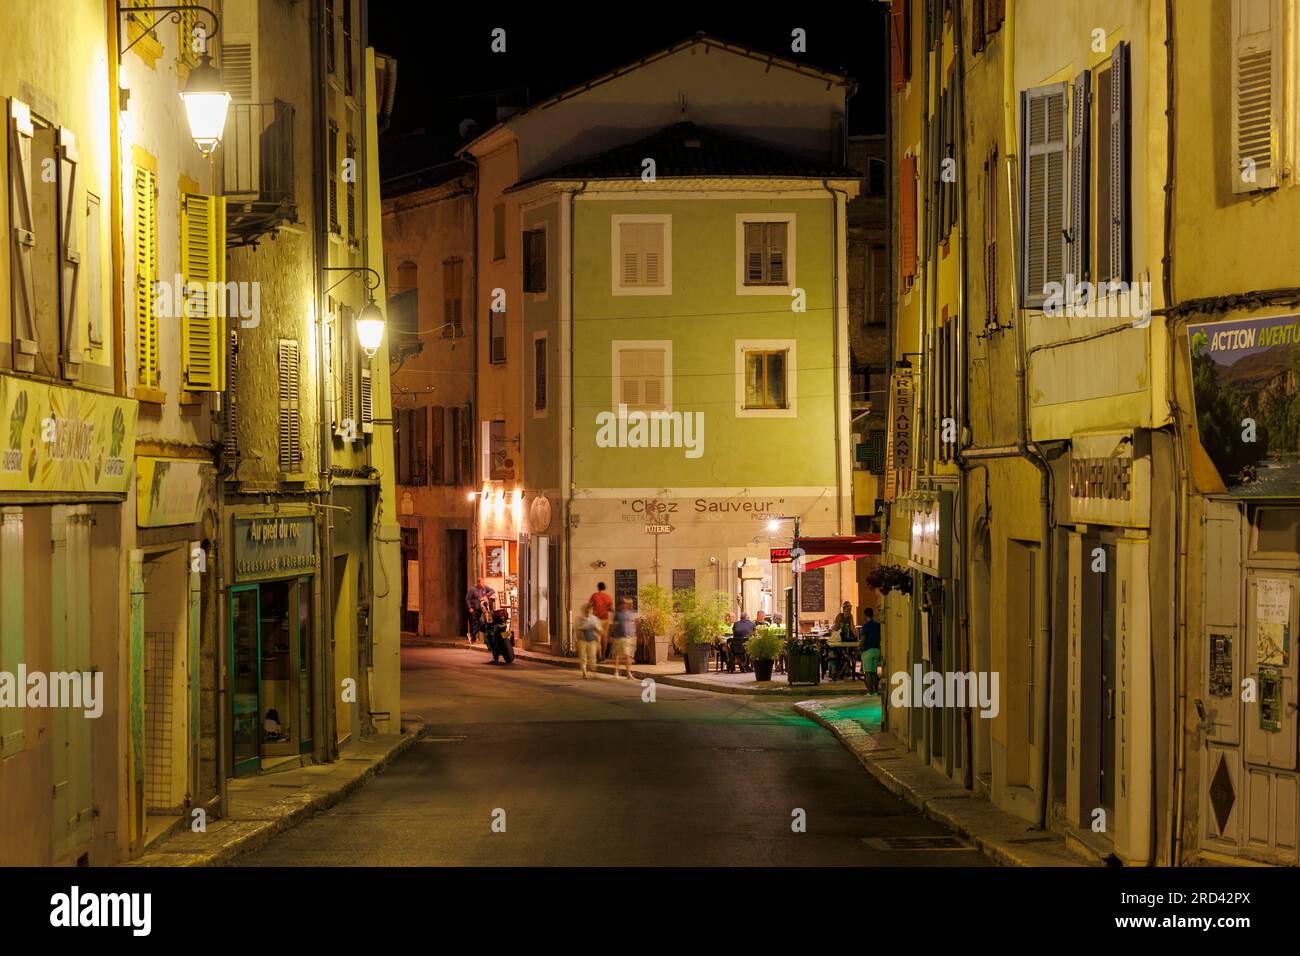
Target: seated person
<point x="740" y="632"/>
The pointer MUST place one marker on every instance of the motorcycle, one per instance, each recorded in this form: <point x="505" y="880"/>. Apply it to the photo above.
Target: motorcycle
<point x="497" y="636"/>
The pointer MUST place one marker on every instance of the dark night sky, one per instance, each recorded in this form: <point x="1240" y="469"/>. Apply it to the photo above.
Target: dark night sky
<point x="447" y="72"/>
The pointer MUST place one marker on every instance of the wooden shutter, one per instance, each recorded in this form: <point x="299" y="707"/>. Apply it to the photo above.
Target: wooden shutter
<point x="539" y="374"/>
<point x="146" y="273"/>
<point x="642" y="379"/>
<point x="418" y="446"/>
<point x="467" y="445"/>
<point x="290" y="424"/>
<point x="1256" y="93"/>
<point x="900" y="42"/>
<point x="630" y="251"/>
<point x="237" y="70"/>
<point x="995" y="12"/>
<point x="907" y="221"/>
<point x="333" y="160"/>
<point x="991" y="237"/>
<point x="452" y="288"/>
<point x="1043" y="191"/>
<point x="230" y="440"/>
<point x="23" y="241"/>
<point x="1079" y="178"/>
<point x="1118" y="160"/>
<point x="351" y="185"/>
<point x="977" y="26"/>
<point x="652" y="251"/>
<point x="754" y="240"/>
<point x="437" y="448"/>
<point x="347" y="367"/>
<point x="777" y="236"/>
<point x="69" y="256"/>
<point x="367" y="402"/>
<point x="94" y="272"/>
<point x="401" y="439"/>
<point x="203" y="268"/>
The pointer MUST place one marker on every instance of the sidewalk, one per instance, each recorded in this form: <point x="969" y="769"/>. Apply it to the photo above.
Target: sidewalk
<point x="1001" y="836"/>
<point x="672" y="674"/>
<point x="262" y="806"/>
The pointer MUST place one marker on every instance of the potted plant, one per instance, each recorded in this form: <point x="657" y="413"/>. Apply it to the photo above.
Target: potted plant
<point x="889" y="577"/>
<point x="703" y="619"/>
<point x="656" y="621"/>
<point x="764" y="646"/>
<point x="803" y="660"/>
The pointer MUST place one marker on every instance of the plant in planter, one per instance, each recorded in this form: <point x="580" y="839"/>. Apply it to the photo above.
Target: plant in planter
<point x="704" y="615"/>
<point x="656" y="621"/>
<point x="765" y="645"/>
<point x="803" y="659"/>
<point x="890" y="577"/>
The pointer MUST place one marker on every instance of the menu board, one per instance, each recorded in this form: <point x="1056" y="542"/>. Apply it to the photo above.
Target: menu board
<point x="812" y="591"/>
<point x="625" y="586"/>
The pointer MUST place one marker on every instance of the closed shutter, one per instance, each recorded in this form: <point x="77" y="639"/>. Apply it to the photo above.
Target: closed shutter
<point x="1118" y="162"/>
<point x="641" y="247"/>
<point x="630" y="249"/>
<point x="452" y="296"/>
<point x="438" y="446"/>
<point x="991" y="238"/>
<point x="642" y="383"/>
<point x="765" y="253"/>
<point x="290" y="430"/>
<point x="230" y="440"/>
<point x="1079" y="178"/>
<point x="237" y="70"/>
<point x="754" y="237"/>
<point x="900" y="45"/>
<point x="347" y="402"/>
<point x="977" y="26"/>
<point x="418" y="446"/>
<point x="23" y="241"/>
<point x="539" y="374"/>
<point x="352" y="188"/>
<point x="1256" y="94"/>
<point x="995" y="12"/>
<point x="467" y="445"/>
<point x="367" y="402"/>
<point x="1043" y="191"/>
<point x="333" y="159"/>
<point x="776" y="254"/>
<point x="69" y="257"/>
<point x="652" y="251"/>
<point x="401" y="441"/>
<point x="146" y="273"/>
<point x="907" y="222"/>
<point x="203" y="267"/>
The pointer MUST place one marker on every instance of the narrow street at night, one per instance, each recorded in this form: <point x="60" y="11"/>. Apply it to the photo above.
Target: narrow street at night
<point x="589" y="775"/>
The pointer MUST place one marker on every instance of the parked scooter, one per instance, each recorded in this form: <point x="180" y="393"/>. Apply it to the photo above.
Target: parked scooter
<point x="497" y="634"/>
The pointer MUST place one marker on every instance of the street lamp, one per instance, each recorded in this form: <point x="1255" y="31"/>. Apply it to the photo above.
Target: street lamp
<point x="206" y="101"/>
<point x="370" y="322"/>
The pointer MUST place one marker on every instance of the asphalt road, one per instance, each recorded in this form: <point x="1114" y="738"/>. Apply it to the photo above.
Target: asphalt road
<point x="585" y="773"/>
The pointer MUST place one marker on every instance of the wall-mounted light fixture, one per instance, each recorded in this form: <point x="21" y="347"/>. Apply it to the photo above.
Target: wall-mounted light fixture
<point x="370" y="321"/>
<point x="205" y="98"/>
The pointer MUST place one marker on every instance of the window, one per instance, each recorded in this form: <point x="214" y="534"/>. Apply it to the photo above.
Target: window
<point x="351" y="185"/>
<point x="991" y="238"/>
<point x="875" y="177"/>
<point x="404" y="313"/>
<point x="641" y="256"/>
<point x="643" y="375"/>
<point x="907" y="223"/>
<point x="499" y="231"/>
<point x="1257" y="39"/>
<point x="535" y="260"/>
<point x="765" y="378"/>
<point x="453" y="285"/>
<point x="900" y="43"/>
<point x="766" y="253"/>
<point x="1043" y="191"/>
<point x="437" y="448"/>
<point x="497" y="339"/>
<point x="539" y="372"/>
<point x="329" y="36"/>
<point x="333" y="160"/>
<point x="290" y="422"/>
<point x="1114" y="227"/>
<point x="347" y="47"/>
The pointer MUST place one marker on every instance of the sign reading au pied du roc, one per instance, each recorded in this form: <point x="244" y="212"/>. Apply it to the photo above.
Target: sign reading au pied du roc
<point x="274" y="546"/>
<point x="64" y="439"/>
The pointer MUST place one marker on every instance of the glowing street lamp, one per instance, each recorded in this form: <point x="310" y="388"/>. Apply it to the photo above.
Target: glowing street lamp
<point x="206" y="104"/>
<point x="370" y="328"/>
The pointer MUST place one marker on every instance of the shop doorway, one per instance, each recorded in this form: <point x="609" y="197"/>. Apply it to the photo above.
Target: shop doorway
<point x="270" y="652"/>
<point x="457" y="574"/>
<point x="165" y="607"/>
<point x="411" y="580"/>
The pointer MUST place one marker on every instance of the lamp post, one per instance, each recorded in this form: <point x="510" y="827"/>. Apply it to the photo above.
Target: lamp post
<point x="206" y="100"/>
<point x="370" y="321"/>
<point x="773" y="525"/>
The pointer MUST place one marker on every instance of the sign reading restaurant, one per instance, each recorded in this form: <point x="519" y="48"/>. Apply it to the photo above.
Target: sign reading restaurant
<point x="274" y="546"/>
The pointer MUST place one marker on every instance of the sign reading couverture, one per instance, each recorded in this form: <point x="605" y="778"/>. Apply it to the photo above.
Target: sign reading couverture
<point x="65" y="439"/>
<point x="274" y="546"/>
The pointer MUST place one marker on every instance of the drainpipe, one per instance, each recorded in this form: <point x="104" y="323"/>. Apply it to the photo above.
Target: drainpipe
<point x="329" y="733"/>
<point x="569" y="487"/>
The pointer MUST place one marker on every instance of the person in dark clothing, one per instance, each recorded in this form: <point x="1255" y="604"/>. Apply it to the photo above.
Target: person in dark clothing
<point x="479" y="598"/>
<point x="869" y="650"/>
<point x="740" y="632"/>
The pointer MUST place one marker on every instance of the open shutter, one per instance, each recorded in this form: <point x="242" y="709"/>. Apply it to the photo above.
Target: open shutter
<point x="230" y="440"/>
<point x="146" y="271"/>
<point x="1256" y="94"/>
<point x="23" y="241"/>
<point x="367" y="403"/>
<point x="290" y="429"/>
<point x="467" y="445"/>
<point x="900" y="47"/>
<point x="1077" y="238"/>
<point x="1043" y="191"/>
<point x="347" y="353"/>
<point x="754" y="243"/>
<point x="69" y="257"/>
<point x="203" y="260"/>
<point x="1118" y="215"/>
<point x="907" y="221"/>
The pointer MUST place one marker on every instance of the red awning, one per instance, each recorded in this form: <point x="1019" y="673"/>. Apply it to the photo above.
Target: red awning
<point x="833" y="559"/>
<point x="847" y="546"/>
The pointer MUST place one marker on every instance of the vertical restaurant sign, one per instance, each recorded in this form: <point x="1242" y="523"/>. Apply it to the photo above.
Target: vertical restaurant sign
<point x="898" y="454"/>
<point x="64" y="439"/>
<point x="1246" y="387"/>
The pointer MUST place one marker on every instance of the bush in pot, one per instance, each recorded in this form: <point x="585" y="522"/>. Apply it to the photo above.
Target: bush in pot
<point x="803" y="659"/>
<point x="704" y="616"/>
<point x="656" y="621"/>
<point x="765" y="645"/>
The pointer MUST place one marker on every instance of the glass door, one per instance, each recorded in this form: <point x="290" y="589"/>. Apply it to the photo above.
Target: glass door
<point x="305" y="646"/>
<point x="279" y="675"/>
<point x="245" y="679"/>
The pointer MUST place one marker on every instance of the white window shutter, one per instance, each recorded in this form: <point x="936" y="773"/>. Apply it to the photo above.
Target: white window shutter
<point x="290" y="429"/>
<point x="69" y="256"/>
<point x="630" y="252"/>
<point x="367" y="403"/>
<point x="1079" y="177"/>
<point x="1256" y="94"/>
<point x="1043" y="191"/>
<point x="1118" y="214"/>
<point x="652" y="245"/>
<point x="23" y="240"/>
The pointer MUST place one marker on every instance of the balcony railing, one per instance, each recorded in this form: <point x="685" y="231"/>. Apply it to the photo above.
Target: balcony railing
<point x="257" y="170"/>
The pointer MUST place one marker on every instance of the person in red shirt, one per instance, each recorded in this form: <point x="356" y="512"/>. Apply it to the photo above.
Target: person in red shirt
<point x="601" y="606"/>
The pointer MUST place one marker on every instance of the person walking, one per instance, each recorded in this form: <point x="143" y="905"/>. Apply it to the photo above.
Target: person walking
<point x="588" y="640"/>
<point x="478" y="598"/>
<point x="624" y="640"/>
<point x="601" y="606"/>
<point x="869" y="650"/>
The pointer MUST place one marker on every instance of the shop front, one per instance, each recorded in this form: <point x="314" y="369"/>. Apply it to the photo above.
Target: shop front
<point x="498" y="558"/>
<point x="273" y="651"/>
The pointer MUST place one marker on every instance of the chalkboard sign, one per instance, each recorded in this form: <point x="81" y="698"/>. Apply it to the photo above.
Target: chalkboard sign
<point x="625" y="587"/>
<point x="682" y="578"/>
<point x="812" y="591"/>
